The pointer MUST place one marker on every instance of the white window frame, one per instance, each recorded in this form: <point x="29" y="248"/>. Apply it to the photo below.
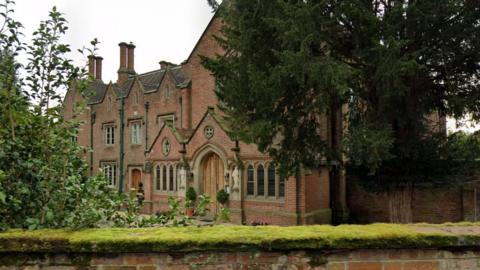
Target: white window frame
<point x="109" y="134"/>
<point x="136" y="133"/>
<point x="110" y="172"/>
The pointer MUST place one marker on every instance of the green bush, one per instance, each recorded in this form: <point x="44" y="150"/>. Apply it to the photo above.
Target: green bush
<point x="222" y="196"/>
<point x="191" y="194"/>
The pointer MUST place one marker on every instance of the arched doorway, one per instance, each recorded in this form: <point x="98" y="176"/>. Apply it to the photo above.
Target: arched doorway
<point x="213" y="178"/>
<point x="136" y="178"/>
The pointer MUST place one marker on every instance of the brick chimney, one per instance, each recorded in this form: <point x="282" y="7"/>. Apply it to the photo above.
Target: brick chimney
<point x="164" y="64"/>
<point x="98" y="67"/>
<point x="131" y="58"/>
<point x="122" y="70"/>
<point x="91" y="65"/>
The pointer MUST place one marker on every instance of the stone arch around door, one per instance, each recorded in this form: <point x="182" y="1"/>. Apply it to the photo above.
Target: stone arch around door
<point x="209" y="169"/>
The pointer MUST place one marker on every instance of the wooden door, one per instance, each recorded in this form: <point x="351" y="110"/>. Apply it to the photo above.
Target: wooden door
<point x="213" y="178"/>
<point x="136" y="178"/>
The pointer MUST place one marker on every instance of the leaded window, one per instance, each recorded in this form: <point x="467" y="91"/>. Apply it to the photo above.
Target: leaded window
<point x="157" y="177"/>
<point x="164" y="178"/>
<point x="250" y="181"/>
<point x="136" y="133"/>
<point x="260" y="181"/>
<point x="110" y="172"/>
<point x="171" y="178"/>
<point x="109" y="135"/>
<point x="271" y="181"/>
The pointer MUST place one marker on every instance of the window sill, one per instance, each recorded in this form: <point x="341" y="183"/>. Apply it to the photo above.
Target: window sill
<point x="251" y="198"/>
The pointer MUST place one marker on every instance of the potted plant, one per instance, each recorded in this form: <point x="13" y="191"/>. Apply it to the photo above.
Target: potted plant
<point x="222" y="196"/>
<point x="190" y="199"/>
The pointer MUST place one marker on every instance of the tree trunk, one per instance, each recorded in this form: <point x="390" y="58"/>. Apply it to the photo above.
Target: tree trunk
<point x="400" y="204"/>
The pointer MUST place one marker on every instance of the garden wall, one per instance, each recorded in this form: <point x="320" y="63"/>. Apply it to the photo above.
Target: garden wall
<point x="406" y="259"/>
<point x="371" y="247"/>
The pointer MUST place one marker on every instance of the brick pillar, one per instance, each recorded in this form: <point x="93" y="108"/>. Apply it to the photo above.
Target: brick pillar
<point x="91" y="65"/>
<point x="98" y="67"/>
<point x="122" y="70"/>
<point x="131" y="58"/>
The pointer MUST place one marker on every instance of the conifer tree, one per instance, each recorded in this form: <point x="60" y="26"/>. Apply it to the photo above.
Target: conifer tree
<point x="394" y="63"/>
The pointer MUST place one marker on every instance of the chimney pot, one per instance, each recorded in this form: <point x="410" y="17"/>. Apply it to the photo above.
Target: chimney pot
<point x="98" y="67"/>
<point x="91" y="65"/>
<point x="131" y="57"/>
<point x="122" y="70"/>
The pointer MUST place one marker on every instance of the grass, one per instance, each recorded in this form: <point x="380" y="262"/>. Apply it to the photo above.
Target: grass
<point x="229" y="237"/>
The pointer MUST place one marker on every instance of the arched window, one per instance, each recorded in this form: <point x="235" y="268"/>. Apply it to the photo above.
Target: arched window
<point x="164" y="178"/>
<point x="171" y="178"/>
<point x="177" y="176"/>
<point x="157" y="177"/>
<point x="250" y="181"/>
<point x="260" y="180"/>
<point x="271" y="180"/>
<point x="135" y="98"/>
<point x="281" y="187"/>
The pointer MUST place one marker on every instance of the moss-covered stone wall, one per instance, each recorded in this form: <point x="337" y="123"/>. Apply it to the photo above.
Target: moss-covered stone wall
<point x="348" y="247"/>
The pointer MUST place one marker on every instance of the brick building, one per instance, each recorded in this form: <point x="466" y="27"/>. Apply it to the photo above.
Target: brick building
<point x="162" y="129"/>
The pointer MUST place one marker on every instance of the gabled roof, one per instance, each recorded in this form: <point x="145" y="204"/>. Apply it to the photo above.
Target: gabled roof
<point x="176" y="133"/>
<point x="152" y="80"/>
<point x="221" y="123"/>
<point x="98" y="92"/>
<point x="181" y="80"/>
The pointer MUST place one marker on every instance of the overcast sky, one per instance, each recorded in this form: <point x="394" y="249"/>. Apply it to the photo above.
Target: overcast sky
<point x="160" y="29"/>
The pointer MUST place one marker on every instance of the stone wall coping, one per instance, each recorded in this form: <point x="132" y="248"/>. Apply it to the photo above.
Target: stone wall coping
<point x="232" y="238"/>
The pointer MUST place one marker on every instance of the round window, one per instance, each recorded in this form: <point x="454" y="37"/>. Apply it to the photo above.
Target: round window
<point x="209" y="131"/>
<point x="166" y="147"/>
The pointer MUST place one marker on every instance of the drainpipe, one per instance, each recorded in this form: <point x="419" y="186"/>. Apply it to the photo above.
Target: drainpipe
<point x="122" y="154"/>
<point x="93" y="116"/>
<point x="147" y="105"/>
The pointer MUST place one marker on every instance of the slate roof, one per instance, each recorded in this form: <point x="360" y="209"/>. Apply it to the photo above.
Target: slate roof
<point x="98" y="92"/>
<point x="150" y="81"/>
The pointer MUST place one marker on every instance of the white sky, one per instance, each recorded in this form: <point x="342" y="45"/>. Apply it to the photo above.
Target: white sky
<point x="160" y="29"/>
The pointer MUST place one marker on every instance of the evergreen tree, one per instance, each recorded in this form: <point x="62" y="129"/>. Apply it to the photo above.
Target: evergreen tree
<point x="394" y="63"/>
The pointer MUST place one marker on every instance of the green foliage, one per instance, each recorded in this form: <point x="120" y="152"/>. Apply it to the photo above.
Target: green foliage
<point x="203" y="205"/>
<point x="395" y="64"/>
<point x="222" y="196"/>
<point x="191" y="194"/>
<point x="223" y="215"/>
<point x="43" y="180"/>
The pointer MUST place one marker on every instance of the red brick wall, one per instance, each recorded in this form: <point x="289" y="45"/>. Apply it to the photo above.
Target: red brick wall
<point x="428" y="205"/>
<point x="405" y="259"/>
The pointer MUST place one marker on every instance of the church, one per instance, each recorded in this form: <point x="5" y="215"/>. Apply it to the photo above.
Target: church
<point x="163" y="130"/>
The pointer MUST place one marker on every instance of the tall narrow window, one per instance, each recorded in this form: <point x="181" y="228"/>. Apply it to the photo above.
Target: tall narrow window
<point x="164" y="178"/>
<point x="177" y="176"/>
<point x="271" y="181"/>
<point x="110" y="172"/>
<point x="166" y="93"/>
<point x="135" y="98"/>
<point x="136" y="133"/>
<point x="109" y="135"/>
<point x="171" y="178"/>
<point x="281" y="187"/>
<point x="250" y="181"/>
<point x="109" y="104"/>
<point x="157" y="177"/>
<point x="260" y="181"/>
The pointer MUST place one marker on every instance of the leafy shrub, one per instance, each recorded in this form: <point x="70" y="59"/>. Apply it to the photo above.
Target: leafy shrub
<point x="222" y="196"/>
<point x="191" y="194"/>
